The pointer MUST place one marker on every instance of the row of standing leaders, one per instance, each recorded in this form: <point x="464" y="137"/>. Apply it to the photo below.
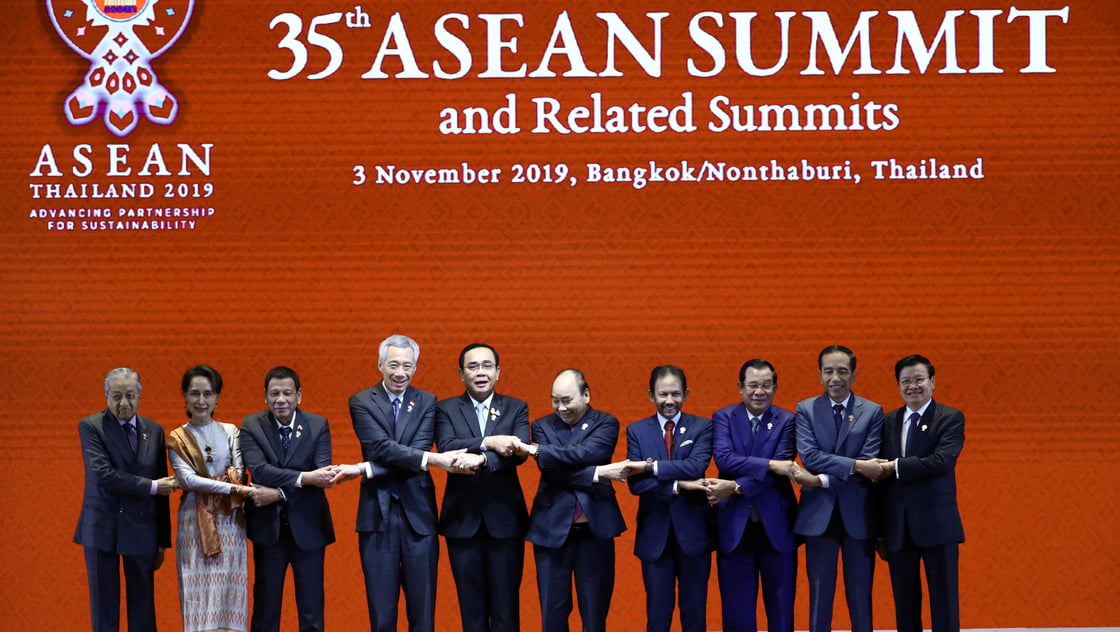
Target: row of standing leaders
<point x="869" y="481"/>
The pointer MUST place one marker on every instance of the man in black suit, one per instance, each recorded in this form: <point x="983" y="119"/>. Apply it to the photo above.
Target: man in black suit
<point x="483" y="517"/>
<point x="396" y="525"/>
<point x="575" y="515"/>
<point x="289" y="449"/>
<point x="920" y="520"/>
<point x="125" y="515"/>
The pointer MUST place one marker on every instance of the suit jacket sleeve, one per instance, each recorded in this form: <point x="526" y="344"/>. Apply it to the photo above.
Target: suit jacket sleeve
<point x="816" y="459"/>
<point x="950" y="442"/>
<point x="696" y="464"/>
<point x="386" y="452"/>
<point x="494" y="461"/>
<point x="109" y="478"/>
<point x="746" y="470"/>
<point x="575" y="463"/>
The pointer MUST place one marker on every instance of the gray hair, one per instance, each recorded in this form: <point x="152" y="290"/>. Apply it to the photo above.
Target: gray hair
<point x="401" y="342"/>
<point x="122" y="373"/>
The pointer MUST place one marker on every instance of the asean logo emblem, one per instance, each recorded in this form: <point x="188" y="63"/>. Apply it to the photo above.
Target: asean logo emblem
<point x="120" y="38"/>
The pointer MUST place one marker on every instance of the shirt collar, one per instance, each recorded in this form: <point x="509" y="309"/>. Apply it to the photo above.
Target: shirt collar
<point x="662" y="420"/>
<point x="280" y="425"/>
<point x="921" y="411"/>
<point x="489" y="401"/>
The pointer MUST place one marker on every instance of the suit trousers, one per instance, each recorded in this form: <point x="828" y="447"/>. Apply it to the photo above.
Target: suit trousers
<point x="397" y="558"/>
<point x="821" y="553"/>
<point x="673" y="571"/>
<point x="104" y="573"/>
<point x="739" y="572"/>
<point x="487" y="574"/>
<point x="591" y="560"/>
<point x="270" y="566"/>
<point x="941" y="564"/>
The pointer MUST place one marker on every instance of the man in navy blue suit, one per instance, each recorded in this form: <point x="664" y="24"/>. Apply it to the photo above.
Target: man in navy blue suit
<point x="290" y="449"/>
<point x="754" y="447"/>
<point x="126" y="518"/>
<point x="395" y="423"/>
<point x="838" y="435"/>
<point x="920" y="520"/>
<point x="484" y="517"/>
<point x="669" y="454"/>
<point x="575" y="515"/>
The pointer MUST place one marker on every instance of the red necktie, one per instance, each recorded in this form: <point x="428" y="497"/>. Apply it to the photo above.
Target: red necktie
<point x="669" y="438"/>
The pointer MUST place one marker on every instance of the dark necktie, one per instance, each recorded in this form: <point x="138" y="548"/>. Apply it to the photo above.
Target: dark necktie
<point x="754" y="425"/>
<point x="579" y="507"/>
<point x="914" y="419"/>
<point x="396" y="408"/>
<point x="130" y="432"/>
<point x="669" y="438"/>
<point x="285" y="437"/>
<point x="838" y="414"/>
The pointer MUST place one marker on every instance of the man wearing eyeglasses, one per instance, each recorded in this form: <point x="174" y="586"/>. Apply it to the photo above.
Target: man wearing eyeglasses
<point x="484" y="516"/>
<point x="920" y="519"/>
<point x="395" y="423"/>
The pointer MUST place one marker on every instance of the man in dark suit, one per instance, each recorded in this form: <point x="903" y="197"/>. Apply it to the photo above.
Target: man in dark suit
<point x="575" y="515"/>
<point x="670" y="452"/>
<point x="920" y="520"/>
<point x="484" y="516"/>
<point x="125" y="515"/>
<point x="289" y="449"/>
<point x="838" y="436"/>
<point x="396" y="525"/>
<point x="754" y="447"/>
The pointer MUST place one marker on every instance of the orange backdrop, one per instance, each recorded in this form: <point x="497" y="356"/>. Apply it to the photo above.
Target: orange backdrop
<point x="1008" y="283"/>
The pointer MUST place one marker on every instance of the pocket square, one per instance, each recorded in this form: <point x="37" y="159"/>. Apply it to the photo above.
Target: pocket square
<point x="686" y="443"/>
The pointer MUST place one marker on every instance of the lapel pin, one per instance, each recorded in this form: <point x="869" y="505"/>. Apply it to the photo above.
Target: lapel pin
<point x="144" y="436"/>
<point x="851" y="419"/>
<point x="410" y="405"/>
<point x="769" y="425"/>
<point x="683" y="429"/>
<point x="924" y="427"/>
<point x="299" y="431"/>
<point x="494" y="414"/>
<point x="583" y="427"/>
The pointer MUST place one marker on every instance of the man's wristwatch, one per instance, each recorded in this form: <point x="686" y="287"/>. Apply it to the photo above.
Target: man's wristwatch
<point x="649" y="464"/>
<point x="534" y="450"/>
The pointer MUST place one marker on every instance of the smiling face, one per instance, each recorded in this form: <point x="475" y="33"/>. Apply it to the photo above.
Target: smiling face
<point x="668" y="395"/>
<point x="398" y="368"/>
<point x="837" y="375"/>
<point x="567" y="400"/>
<point x="479" y="372"/>
<point x="758" y="388"/>
<point x="282" y="397"/>
<point x="201" y="398"/>
<point x="915" y="385"/>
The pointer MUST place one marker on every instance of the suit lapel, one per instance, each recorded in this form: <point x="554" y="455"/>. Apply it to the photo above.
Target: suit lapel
<point x="271" y="434"/>
<point x="118" y="440"/>
<point x="383" y="403"/>
<point x="494" y="415"/>
<point x="824" y="423"/>
<point x="405" y="422"/>
<point x="469" y="416"/>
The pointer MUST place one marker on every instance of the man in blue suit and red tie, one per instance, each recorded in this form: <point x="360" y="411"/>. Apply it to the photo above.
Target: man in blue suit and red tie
<point x="669" y="454"/>
<point x="838" y="436"/>
<point x="754" y="447"/>
<point x="920" y="520"/>
<point x="575" y="516"/>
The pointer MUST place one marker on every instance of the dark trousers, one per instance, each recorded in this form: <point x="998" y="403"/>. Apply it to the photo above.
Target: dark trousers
<point x="591" y="561"/>
<point x="270" y="566"/>
<point x="941" y="564"/>
<point x="487" y="574"/>
<point x="739" y="572"/>
<point x="398" y="558"/>
<point x="671" y="572"/>
<point x="104" y="572"/>
<point x="821" y="553"/>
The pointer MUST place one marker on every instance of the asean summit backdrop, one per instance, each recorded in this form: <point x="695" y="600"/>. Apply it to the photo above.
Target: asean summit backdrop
<point x="287" y="145"/>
